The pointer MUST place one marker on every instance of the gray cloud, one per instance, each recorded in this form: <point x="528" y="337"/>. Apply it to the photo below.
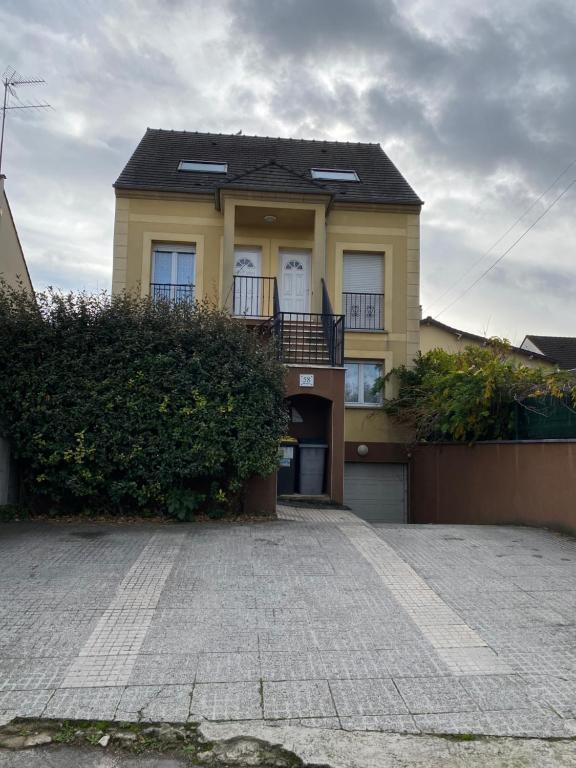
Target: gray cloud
<point x="475" y="105"/>
<point x="540" y="282"/>
<point x="497" y="95"/>
<point x="297" y="28"/>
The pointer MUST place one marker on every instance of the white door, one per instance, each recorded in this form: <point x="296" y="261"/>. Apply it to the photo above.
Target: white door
<point x="295" y="281"/>
<point x="247" y="299"/>
<point x="376" y="492"/>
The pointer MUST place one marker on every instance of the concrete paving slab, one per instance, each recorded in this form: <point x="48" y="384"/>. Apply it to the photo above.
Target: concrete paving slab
<point x="149" y="703"/>
<point x="316" y="619"/>
<point x="226" y="701"/>
<point x="297" y="698"/>
<point x="228" y="667"/>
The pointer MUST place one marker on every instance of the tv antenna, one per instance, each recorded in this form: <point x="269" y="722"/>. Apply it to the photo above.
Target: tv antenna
<point x="13" y="80"/>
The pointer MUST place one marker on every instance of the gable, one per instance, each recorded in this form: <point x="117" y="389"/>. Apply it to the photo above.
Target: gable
<point x="273" y="177"/>
<point x="562" y="349"/>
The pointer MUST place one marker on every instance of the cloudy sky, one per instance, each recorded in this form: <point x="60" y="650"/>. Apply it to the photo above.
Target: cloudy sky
<point x="475" y="103"/>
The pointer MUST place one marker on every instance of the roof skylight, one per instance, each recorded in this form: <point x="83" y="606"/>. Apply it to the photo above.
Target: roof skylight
<point x="203" y="166"/>
<point x="334" y="174"/>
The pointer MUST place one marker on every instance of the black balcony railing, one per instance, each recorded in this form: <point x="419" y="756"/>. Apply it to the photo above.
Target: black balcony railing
<point x="276" y="306"/>
<point x="304" y="338"/>
<point x="333" y="328"/>
<point x="172" y="292"/>
<point x="363" y="311"/>
<point x="254" y="296"/>
<point x="309" y="338"/>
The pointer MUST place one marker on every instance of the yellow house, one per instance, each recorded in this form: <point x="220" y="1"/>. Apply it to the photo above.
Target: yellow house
<point x="437" y="335"/>
<point x="13" y="267"/>
<point x="14" y="271"/>
<point x="318" y="240"/>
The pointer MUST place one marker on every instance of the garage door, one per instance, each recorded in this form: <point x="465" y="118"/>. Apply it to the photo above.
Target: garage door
<point x="376" y="492"/>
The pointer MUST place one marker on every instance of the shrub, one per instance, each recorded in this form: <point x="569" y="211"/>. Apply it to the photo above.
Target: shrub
<point x="124" y="404"/>
<point x="471" y="395"/>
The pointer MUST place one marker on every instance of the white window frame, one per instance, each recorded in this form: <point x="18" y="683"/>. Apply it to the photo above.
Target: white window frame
<point x="203" y="166"/>
<point x="331" y="174"/>
<point x="360" y="403"/>
<point x="174" y="249"/>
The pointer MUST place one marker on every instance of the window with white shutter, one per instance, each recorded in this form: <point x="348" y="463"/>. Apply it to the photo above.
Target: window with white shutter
<point x="363" y="291"/>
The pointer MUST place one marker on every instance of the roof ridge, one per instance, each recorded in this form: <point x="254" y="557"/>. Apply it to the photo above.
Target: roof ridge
<point x="429" y="320"/>
<point x="268" y="138"/>
<point x="544" y="336"/>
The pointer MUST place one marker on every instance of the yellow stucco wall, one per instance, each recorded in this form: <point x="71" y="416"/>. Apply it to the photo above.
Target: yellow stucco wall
<point x="12" y="265"/>
<point x="432" y="337"/>
<point x="142" y="221"/>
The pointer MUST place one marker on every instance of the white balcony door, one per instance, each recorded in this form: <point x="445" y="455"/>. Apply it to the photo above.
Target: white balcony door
<point x="295" y="281"/>
<point x="173" y="272"/>
<point x="247" y="265"/>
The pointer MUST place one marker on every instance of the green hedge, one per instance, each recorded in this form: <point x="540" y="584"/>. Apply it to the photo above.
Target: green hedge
<point x="124" y="405"/>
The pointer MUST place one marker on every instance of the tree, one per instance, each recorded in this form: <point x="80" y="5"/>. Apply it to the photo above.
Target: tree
<point x="126" y="404"/>
<point x="470" y="395"/>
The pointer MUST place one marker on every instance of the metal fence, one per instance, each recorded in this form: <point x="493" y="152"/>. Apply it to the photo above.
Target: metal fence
<point x="545" y="418"/>
<point x="253" y="296"/>
<point x="363" y="311"/>
<point x="172" y="292"/>
<point x="309" y="338"/>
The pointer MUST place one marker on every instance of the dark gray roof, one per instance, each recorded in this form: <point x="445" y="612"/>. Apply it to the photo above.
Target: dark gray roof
<point x="273" y="176"/>
<point x="562" y="349"/>
<point x="262" y="163"/>
<point x="483" y="339"/>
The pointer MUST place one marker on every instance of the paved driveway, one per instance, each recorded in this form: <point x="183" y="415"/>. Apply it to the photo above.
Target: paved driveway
<point x="316" y="619"/>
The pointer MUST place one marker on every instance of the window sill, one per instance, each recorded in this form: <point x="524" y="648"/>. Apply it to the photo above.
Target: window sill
<point x="365" y="406"/>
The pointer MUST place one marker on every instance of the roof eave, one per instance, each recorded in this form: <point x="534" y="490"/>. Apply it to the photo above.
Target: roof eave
<point x="476" y="337"/>
<point x="172" y="192"/>
<point x="244" y="188"/>
<point x="379" y="200"/>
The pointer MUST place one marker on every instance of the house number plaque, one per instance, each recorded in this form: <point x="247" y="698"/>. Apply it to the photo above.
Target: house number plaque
<point x="306" y="379"/>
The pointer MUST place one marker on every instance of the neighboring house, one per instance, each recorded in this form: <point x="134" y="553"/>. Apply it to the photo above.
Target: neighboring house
<point x="320" y="240"/>
<point x="561" y="349"/>
<point x="437" y="335"/>
<point x="14" y="271"/>
<point x="13" y="267"/>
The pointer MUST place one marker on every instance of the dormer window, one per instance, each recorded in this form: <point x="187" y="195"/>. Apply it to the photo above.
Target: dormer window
<point x="334" y="174"/>
<point x="203" y="166"/>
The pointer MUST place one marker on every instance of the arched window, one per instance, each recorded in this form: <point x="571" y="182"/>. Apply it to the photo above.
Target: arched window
<point x="244" y="264"/>
<point x="293" y="264"/>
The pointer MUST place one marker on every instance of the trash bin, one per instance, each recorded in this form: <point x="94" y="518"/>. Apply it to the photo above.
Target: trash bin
<point x="312" y="462"/>
<point x="288" y="453"/>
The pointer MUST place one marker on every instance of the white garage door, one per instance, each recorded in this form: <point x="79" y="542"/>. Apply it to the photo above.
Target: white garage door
<point x="376" y="492"/>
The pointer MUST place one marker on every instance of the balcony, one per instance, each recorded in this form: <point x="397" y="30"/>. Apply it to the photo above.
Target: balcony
<point x="172" y="292"/>
<point x="309" y="338"/>
<point x="253" y="296"/>
<point x="363" y="311"/>
<point x="303" y="338"/>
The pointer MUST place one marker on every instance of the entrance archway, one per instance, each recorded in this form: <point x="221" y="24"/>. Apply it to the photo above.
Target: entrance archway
<point x="309" y="427"/>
